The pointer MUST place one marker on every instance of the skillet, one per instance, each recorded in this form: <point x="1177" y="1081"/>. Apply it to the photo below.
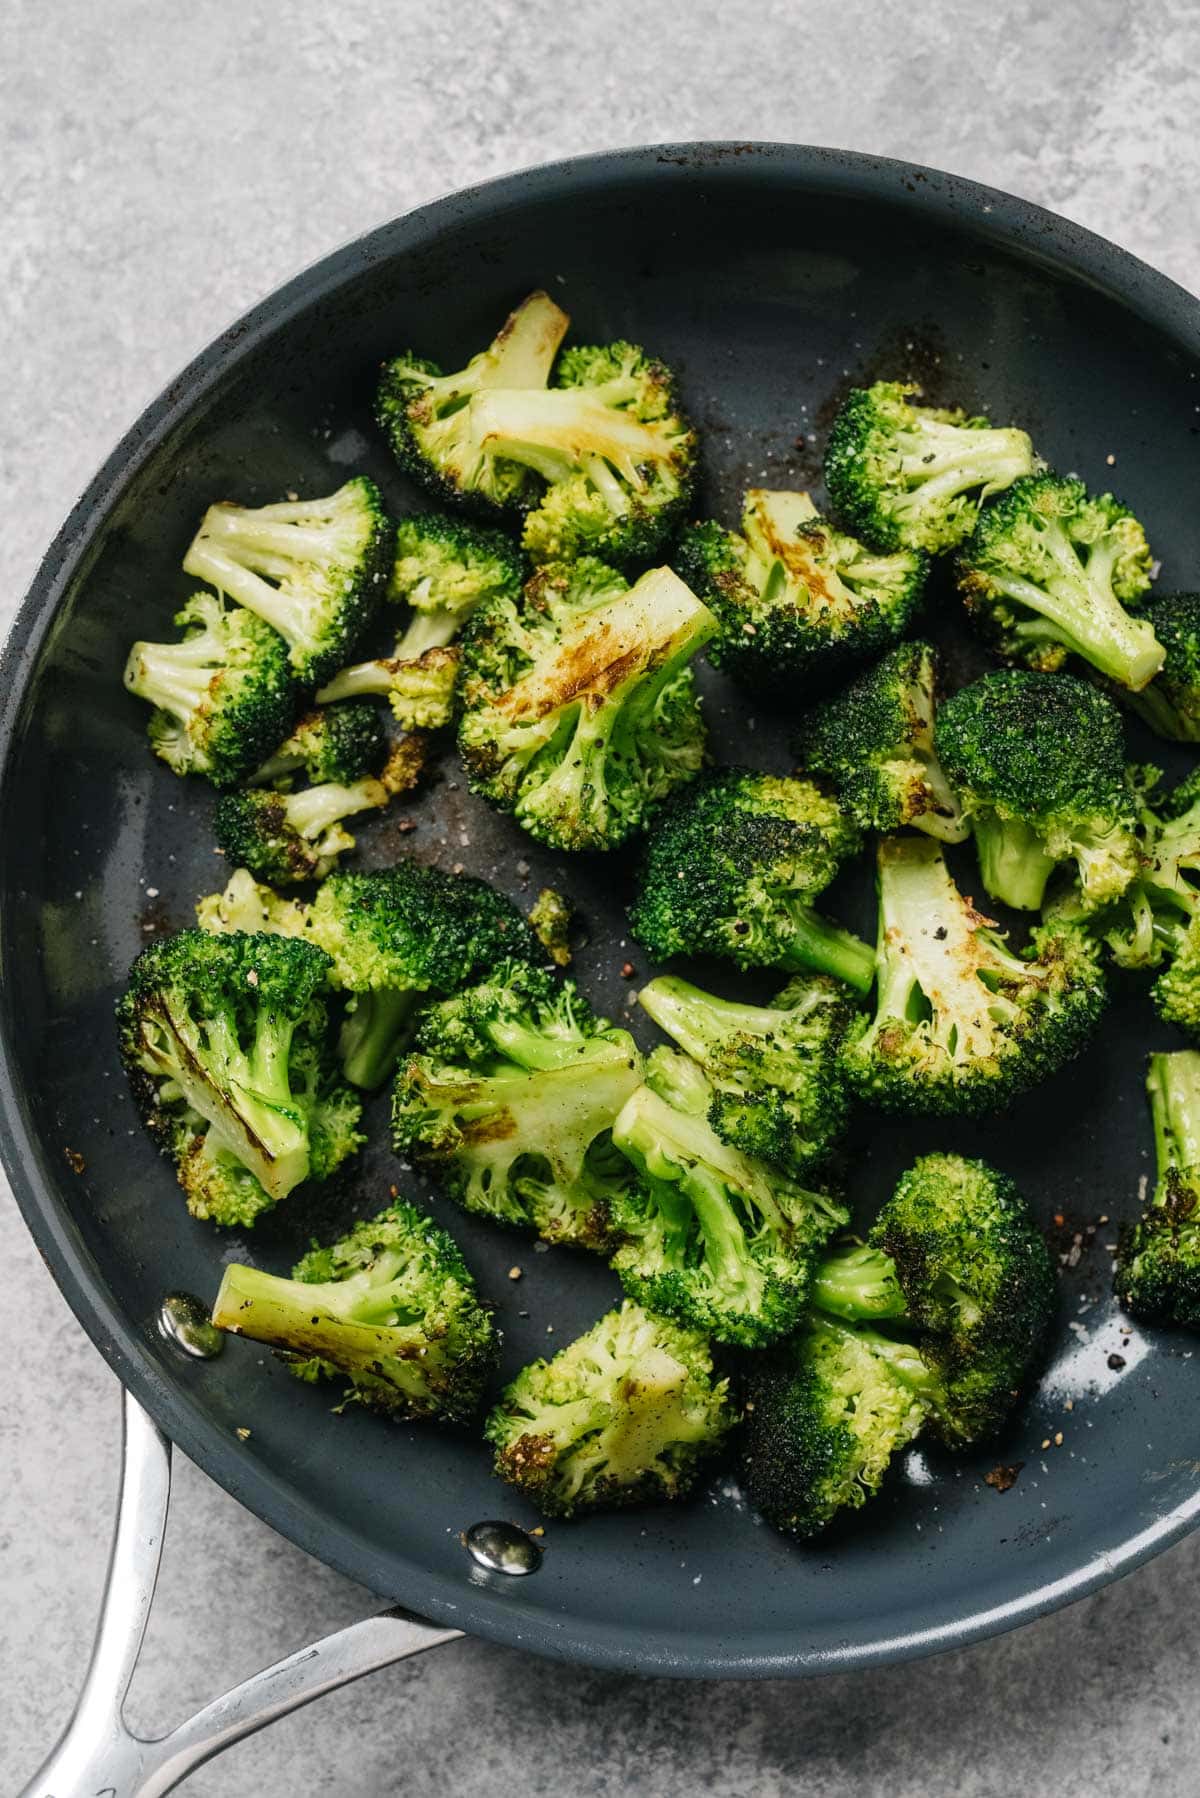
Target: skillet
<point x="770" y="277"/>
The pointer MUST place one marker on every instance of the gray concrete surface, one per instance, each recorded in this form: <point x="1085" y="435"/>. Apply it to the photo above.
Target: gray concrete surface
<point x="163" y="167"/>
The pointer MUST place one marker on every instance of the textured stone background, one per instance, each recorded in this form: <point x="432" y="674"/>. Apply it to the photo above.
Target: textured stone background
<point x="162" y="168"/>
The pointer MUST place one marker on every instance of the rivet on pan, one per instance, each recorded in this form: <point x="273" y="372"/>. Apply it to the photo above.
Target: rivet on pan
<point x="185" y="1322"/>
<point x="503" y="1548"/>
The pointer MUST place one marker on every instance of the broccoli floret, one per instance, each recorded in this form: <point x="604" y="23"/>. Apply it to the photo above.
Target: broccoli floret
<point x="711" y="1236"/>
<point x="875" y="741"/>
<point x="1170" y="704"/>
<point x="1049" y="572"/>
<point x="1039" y="763"/>
<point x="731" y="867"/>
<point x="391" y="1307"/>
<point x="779" y="1091"/>
<point x="246" y="906"/>
<point x="578" y="712"/>
<point x="222" y="1037"/>
<point x="1158" y="1262"/>
<point x="624" y="1415"/>
<point x="550" y="920"/>
<point x="399" y="935"/>
<point x="429" y="420"/>
<point x="288" y="837"/>
<point x="914" y="477"/>
<point x="799" y="601"/>
<point x="962" y="1023"/>
<point x="315" y="569"/>
<point x="511" y="1093"/>
<point x="445" y="569"/>
<point x="222" y="695"/>
<point x="337" y="743"/>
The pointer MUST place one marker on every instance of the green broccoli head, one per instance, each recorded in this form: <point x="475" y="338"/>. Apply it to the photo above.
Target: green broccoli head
<point x="1170" y="704"/>
<point x="624" y="1415"/>
<point x="915" y="477"/>
<point x="826" y="1412"/>
<point x="730" y="869"/>
<point x="962" y="1023"/>
<point x="798" y="600"/>
<point x="428" y="417"/>
<point x="339" y="743"/>
<point x="710" y="1235"/>
<point x="390" y="1307"/>
<point x="875" y="742"/>
<point x="222" y="695"/>
<point x="1039" y="762"/>
<point x="778" y="1089"/>
<point x="510" y="1094"/>
<point x="578" y="713"/>
<point x="222" y="1037"/>
<point x="1049" y="572"/>
<point x="1158" y="1260"/>
<point x="315" y="569"/>
<point x="287" y="837"/>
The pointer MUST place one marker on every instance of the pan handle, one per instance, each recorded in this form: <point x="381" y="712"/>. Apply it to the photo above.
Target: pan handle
<point x="97" y="1755"/>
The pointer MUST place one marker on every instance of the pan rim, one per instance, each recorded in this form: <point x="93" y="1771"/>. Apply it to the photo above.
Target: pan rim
<point x="1019" y="227"/>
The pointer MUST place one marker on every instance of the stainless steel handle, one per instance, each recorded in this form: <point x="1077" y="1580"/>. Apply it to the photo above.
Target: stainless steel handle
<point x="97" y="1755"/>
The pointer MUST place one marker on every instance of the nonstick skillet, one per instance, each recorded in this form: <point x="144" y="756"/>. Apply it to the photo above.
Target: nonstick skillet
<point x="770" y="277"/>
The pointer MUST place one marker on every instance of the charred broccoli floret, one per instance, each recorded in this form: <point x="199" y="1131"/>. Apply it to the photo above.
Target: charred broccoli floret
<point x="778" y="1089"/>
<point x="798" y="600"/>
<point x="511" y="1093"/>
<point x="339" y="743"/>
<point x="578" y="712"/>
<point x="445" y="569"/>
<point x="962" y="1022"/>
<point x="1170" y="704"/>
<point x="710" y="1236"/>
<point x="914" y="477"/>
<point x="1158" y="1261"/>
<point x="624" y="1415"/>
<point x="1049" y="572"/>
<point x="222" y="695"/>
<point x="288" y="837"/>
<point x="390" y="1307"/>
<point x="1039" y="763"/>
<point x="223" y="1039"/>
<point x="315" y="569"/>
<point x="731" y="867"/>
<point x="875" y="741"/>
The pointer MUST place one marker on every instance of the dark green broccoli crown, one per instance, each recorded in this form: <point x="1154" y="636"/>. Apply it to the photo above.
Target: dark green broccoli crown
<point x="875" y="741"/>
<point x="915" y="476"/>
<point x="415" y="928"/>
<point x="330" y="743"/>
<point x="446" y="564"/>
<point x="962" y="1023"/>
<point x="797" y="599"/>
<point x="236" y="975"/>
<point x="1171" y="703"/>
<point x="627" y="1414"/>
<point x="730" y="860"/>
<point x="1158" y="1260"/>
<point x="577" y="708"/>
<point x="825" y="1414"/>
<point x="223" y="695"/>
<point x="287" y="837"/>
<point x="1048" y="573"/>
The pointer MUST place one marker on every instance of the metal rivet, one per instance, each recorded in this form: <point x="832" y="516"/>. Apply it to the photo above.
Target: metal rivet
<point x="185" y="1323"/>
<point x="503" y="1548"/>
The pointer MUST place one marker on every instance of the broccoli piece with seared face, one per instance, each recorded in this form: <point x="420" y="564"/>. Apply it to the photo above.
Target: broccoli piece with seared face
<point x="337" y="743"/>
<point x="731" y="867"/>
<point x="799" y="601"/>
<point x="1049" y="572"/>
<point x="962" y="1023"/>
<point x="778" y="1089"/>
<point x="1158" y="1261"/>
<point x="915" y="477"/>
<point x="315" y="569"/>
<point x="445" y="569"/>
<point x="288" y="837"/>
<point x="1039" y="762"/>
<point x="710" y="1235"/>
<point x="1170" y="704"/>
<point x="223" y="1039"/>
<point x="624" y="1415"/>
<point x="511" y="1093"/>
<point x="222" y="695"/>
<point x="578" y="712"/>
<point x="875" y="741"/>
<point x="390" y="1307"/>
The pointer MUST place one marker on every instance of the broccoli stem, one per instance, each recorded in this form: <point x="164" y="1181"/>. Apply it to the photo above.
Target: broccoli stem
<point x="372" y="1035"/>
<point x="344" y="1321"/>
<point x="429" y="630"/>
<point x="363" y="680"/>
<point x="425" y="630"/>
<point x="859" y="1283"/>
<point x="314" y="810"/>
<point x="699" y="1022"/>
<point x="938" y="461"/>
<point x="173" y="676"/>
<point x="556" y="431"/>
<point x="1012" y="861"/>
<point x="1173" y="1083"/>
<point x="826" y="948"/>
